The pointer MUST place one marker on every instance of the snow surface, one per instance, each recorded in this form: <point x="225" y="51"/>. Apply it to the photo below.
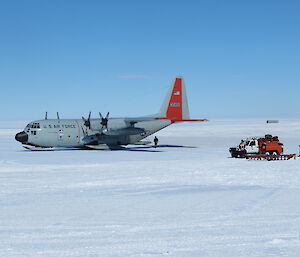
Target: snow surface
<point x="169" y="201"/>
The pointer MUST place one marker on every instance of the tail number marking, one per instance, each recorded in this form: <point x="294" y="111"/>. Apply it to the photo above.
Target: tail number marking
<point x="175" y="104"/>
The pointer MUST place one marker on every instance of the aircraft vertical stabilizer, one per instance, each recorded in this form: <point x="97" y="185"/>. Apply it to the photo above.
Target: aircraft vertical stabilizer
<point x="175" y="106"/>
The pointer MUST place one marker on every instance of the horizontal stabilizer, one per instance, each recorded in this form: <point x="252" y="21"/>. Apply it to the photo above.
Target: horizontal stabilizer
<point x="183" y="120"/>
<point x="196" y="120"/>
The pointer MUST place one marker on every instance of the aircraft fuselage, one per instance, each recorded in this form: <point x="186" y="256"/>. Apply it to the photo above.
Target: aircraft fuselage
<point x="73" y="132"/>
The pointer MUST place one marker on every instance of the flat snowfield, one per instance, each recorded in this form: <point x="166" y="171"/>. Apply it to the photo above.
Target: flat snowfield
<point x="168" y="201"/>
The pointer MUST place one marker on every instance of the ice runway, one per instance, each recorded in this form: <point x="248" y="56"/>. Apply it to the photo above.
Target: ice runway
<point x="170" y="201"/>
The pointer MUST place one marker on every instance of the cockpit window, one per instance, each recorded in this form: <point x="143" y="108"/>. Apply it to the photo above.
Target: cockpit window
<point x="35" y="125"/>
<point x="252" y="143"/>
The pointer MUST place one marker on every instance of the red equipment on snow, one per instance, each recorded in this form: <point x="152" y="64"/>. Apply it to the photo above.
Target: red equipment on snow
<point x="257" y="146"/>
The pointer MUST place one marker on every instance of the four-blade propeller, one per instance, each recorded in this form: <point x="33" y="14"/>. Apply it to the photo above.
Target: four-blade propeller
<point x="104" y="120"/>
<point x="87" y="122"/>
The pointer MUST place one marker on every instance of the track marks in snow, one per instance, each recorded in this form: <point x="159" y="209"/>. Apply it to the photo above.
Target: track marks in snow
<point x="261" y="199"/>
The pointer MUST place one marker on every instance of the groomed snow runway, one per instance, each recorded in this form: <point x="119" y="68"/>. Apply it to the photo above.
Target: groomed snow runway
<point x="169" y="201"/>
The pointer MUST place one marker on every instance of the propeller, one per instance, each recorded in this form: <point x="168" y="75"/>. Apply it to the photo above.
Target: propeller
<point x="87" y="122"/>
<point x="104" y="120"/>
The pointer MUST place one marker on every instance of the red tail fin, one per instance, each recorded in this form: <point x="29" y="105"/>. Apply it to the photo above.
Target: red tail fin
<point x="175" y="107"/>
<point x="174" y="111"/>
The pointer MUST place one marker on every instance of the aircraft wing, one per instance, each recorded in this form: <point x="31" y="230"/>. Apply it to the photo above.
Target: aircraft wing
<point x="130" y="129"/>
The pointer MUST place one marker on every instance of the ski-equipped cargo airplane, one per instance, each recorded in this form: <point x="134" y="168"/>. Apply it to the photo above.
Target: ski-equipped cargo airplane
<point x="106" y="133"/>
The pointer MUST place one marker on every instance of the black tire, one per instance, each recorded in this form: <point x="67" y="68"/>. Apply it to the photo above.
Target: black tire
<point x="236" y="153"/>
<point x="243" y="154"/>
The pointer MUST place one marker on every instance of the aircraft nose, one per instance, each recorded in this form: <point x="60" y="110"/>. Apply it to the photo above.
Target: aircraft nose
<point x="22" y="137"/>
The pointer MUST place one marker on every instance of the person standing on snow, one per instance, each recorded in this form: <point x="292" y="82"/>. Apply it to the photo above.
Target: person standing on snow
<point x="155" y="141"/>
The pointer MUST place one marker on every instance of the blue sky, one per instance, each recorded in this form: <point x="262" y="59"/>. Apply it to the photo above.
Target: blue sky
<point x="238" y="58"/>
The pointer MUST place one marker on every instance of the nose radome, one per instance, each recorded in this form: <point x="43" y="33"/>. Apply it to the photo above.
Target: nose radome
<point x="22" y="137"/>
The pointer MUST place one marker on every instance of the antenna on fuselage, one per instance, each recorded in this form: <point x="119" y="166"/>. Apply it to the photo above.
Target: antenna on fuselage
<point x="46" y="116"/>
<point x="57" y="114"/>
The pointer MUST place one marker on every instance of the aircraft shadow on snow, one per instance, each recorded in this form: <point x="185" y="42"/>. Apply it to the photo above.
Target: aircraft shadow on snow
<point x="159" y="147"/>
<point x="151" y="148"/>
